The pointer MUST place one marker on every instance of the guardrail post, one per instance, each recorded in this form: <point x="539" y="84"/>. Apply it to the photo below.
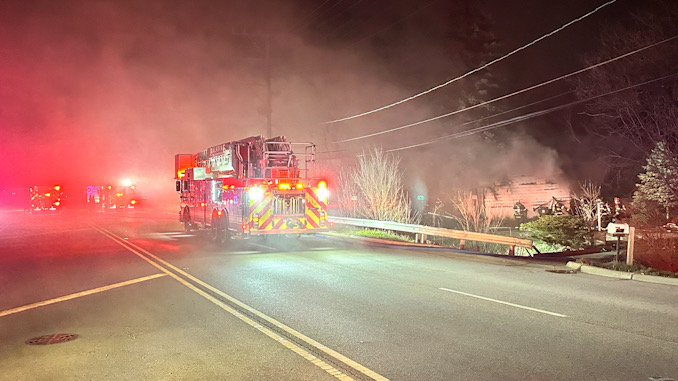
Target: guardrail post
<point x="462" y="243"/>
<point x="512" y="250"/>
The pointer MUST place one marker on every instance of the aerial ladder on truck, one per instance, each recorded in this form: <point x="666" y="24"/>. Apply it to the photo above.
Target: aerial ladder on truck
<point x="252" y="187"/>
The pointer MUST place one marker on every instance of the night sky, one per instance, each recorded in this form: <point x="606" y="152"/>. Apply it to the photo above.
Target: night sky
<point x="96" y="91"/>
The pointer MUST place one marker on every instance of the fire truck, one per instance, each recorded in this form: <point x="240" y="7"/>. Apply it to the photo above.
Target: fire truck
<point x="108" y="197"/>
<point x="252" y="187"/>
<point x="45" y="198"/>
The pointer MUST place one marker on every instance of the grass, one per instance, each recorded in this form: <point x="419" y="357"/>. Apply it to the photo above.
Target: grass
<point x="374" y="233"/>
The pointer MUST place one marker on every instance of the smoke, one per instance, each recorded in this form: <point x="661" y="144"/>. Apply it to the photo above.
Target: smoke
<point x="92" y="92"/>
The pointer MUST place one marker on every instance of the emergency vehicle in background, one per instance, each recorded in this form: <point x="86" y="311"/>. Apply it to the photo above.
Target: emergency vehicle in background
<point x="108" y="197"/>
<point x="249" y="187"/>
<point x="45" y="198"/>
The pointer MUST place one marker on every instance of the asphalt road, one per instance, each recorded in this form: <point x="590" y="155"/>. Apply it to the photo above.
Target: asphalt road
<point x="148" y="301"/>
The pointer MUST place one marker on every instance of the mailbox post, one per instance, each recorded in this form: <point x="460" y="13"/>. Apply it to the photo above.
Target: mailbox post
<point x="618" y="230"/>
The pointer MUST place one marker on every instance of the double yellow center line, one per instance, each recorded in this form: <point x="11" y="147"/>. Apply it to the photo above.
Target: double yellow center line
<point x="192" y="282"/>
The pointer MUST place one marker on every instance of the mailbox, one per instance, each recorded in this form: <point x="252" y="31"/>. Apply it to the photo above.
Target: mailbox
<point x="618" y="229"/>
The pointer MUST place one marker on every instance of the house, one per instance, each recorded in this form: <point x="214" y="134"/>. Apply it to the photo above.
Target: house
<point x="530" y="191"/>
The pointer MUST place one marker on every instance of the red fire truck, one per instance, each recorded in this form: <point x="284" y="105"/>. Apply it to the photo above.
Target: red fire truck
<point x="109" y="197"/>
<point x="254" y="186"/>
<point x="45" y="198"/>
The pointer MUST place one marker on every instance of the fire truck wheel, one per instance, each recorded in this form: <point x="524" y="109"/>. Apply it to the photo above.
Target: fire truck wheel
<point x="220" y="233"/>
<point x="186" y="219"/>
<point x="225" y="233"/>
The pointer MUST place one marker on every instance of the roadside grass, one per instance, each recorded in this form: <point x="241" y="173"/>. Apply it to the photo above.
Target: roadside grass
<point x="374" y="233"/>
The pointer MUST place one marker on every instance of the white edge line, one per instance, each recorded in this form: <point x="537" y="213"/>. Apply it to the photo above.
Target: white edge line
<point x="78" y="294"/>
<point x="503" y="302"/>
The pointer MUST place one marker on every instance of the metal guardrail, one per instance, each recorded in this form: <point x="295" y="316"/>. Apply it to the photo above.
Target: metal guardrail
<point x="422" y="231"/>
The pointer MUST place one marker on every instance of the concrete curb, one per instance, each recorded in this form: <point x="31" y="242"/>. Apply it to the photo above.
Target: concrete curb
<point x="605" y="272"/>
<point x="621" y="274"/>
<point x="655" y="279"/>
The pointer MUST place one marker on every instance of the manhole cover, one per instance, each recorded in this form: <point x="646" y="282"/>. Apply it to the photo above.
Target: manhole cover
<point x="559" y="271"/>
<point x="52" y="339"/>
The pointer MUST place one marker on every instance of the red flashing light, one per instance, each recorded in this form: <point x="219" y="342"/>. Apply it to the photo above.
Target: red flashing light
<point x="57" y="203"/>
<point x="56" y="188"/>
<point x="219" y="213"/>
<point x="244" y="226"/>
<point x="322" y="184"/>
<point x="133" y="202"/>
<point x="202" y="204"/>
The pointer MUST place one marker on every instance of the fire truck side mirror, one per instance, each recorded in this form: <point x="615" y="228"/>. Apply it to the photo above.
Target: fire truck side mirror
<point x="178" y="185"/>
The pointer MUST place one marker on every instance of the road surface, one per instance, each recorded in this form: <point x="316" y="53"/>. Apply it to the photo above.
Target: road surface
<point x="148" y="301"/>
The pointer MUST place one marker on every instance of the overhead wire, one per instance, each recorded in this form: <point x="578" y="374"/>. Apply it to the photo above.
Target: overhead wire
<point x="394" y="23"/>
<point x="311" y="21"/>
<point x="307" y="20"/>
<point x="511" y="94"/>
<point x="350" y="19"/>
<point x="525" y="116"/>
<point x="474" y="70"/>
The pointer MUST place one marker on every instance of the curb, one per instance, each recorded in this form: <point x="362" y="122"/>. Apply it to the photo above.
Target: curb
<point x="621" y="274"/>
<point x="605" y="272"/>
<point x="655" y="279"/>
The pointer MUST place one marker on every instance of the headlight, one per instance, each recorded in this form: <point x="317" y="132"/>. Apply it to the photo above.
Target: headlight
<point x="256" y="193"/>
<point x="323" y="194"/>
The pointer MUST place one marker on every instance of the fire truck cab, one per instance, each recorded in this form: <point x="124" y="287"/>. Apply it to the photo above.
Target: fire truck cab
<point x="253" y="186"/>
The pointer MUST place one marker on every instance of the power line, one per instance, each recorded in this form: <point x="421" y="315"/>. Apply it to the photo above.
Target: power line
<point x="525" y="116"/>
<point x="311" y="20"/>
<point x="350" y="19"/>
<point x="474" y="70"/>
<point x="393" y="24"/>
<point x="310" y="17"/>
<point x="511" y="94"/>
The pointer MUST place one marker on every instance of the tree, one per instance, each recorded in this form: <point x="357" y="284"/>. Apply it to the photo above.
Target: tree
<point x="659" y="182"/>
<point x="378" y="185"/>
<point x="587" y="203"/>
<point x="630" y="123"/>
<point x="471" y="213"/>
